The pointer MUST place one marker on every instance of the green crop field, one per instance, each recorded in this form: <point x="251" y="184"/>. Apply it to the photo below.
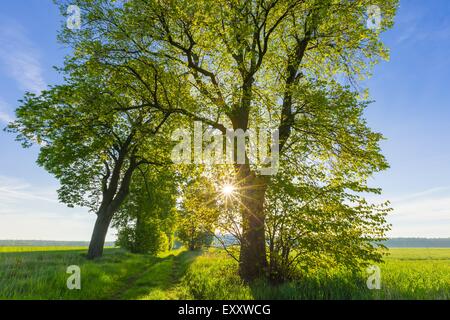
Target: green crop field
<point x="40" y="273"/>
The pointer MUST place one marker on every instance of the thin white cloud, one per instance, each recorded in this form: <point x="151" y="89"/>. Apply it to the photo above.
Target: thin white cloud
<point x="4" y="112"/>
<point x="411" y="28"/>
<point x="19" y="57"/>
<point x="30" y="211"/>
<point x="13" y="190"/>
<point x="423" y="214"/>
<point x="419" y="214"/>
<point x="4" y="117"/>
<point x="421" y="194"/>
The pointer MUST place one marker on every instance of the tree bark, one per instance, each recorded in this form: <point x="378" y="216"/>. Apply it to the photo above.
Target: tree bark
<point x="252" y="259"/>
<point x="99" y="234"/>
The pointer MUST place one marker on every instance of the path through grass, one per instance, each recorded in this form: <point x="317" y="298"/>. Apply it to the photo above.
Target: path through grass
<point x="163" y="279"/>
<point x="40" y="273"/>
<point x="32" y="273"/>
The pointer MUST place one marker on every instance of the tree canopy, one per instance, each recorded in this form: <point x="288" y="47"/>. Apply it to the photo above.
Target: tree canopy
<point x="141" y="68"/>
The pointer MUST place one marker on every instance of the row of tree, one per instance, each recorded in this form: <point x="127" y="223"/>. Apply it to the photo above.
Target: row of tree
<point x="152" y="218"/>
<point x="139" y="69"/>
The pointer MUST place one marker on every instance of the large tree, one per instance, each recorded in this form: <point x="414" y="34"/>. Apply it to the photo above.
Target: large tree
<point x="245" y="64"/>
<point x="92" y="137"/>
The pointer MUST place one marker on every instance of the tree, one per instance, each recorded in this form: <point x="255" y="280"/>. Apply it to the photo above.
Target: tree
<point x="147" y="220"/>
<point x="247" y="64"/>
<point x="92" y="138"/>
<point x="198" y="213"/>
<point x="144" y="236"/>
<point x="315" y="213"/>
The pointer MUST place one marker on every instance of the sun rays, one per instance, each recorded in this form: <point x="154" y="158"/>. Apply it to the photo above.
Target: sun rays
<point x="228" y="189"/>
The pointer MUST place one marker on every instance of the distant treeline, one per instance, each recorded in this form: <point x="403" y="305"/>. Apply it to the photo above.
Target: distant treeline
<point x="47" y="243"/>
<point x="418" y="243"/>
<point x="391" y="243"/>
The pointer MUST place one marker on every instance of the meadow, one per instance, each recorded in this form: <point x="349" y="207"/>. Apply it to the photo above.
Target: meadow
<point x="40" y="273"/>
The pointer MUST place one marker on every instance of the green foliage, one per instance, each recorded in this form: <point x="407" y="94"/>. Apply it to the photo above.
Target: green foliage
<point x="287" y="64"/>
<point x="147" y="219"/>
<point x="142" y="238"/>
<point x="195" y="239"/>
<point x="281" y="64"/>
<point x="198" y="213"/>
<point x="94" y="130"/>
<point x="315" y="209"/>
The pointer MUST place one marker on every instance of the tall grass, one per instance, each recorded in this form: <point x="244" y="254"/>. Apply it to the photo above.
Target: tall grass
<point x="406" y="274"/>
<point x="416" y="274"/>
<point x="34" y="273"/>
<point x="42" y="274"/>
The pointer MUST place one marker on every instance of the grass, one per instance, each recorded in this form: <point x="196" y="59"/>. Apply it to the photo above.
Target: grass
<point x="40" y="273"/>
<point x="416" y="274"/>
<point x="406" y="274"/>
<point x="38" y="248"/>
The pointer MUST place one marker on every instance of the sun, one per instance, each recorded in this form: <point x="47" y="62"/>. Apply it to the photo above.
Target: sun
<point x="228" y="189"/>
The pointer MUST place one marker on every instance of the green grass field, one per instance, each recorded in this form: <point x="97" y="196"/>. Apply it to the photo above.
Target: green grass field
<point x="40" y="273"/>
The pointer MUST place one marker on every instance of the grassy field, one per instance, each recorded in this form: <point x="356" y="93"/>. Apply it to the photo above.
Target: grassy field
<point x="40" y="273"/>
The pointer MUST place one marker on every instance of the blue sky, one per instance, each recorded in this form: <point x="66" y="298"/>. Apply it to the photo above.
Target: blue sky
<point x="412" y="109"/>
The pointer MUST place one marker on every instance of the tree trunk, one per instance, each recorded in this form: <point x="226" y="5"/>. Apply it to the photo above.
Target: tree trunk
<point x="112" y="200"/>
<point x="99" y="234"/>
<point x="252" y="259"/>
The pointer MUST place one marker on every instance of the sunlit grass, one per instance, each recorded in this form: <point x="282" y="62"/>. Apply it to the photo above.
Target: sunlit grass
<point x="40" y="273"/>
<point x="406" y="274"/>
<point x="416" y="274"/>
<point x="39" y="248"/>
